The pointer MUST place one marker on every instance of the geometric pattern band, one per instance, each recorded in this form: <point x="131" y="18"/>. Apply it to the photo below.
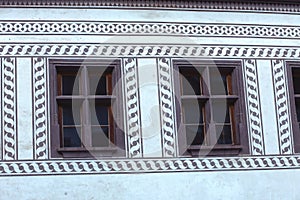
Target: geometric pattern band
<point x="8" y="108"/>
<point x="255" y="129"/>
<point x="40" y="104"/>
<point x="119" y="28"/>
<point x="274" y="6"/>
<point x="282" y="107"/>
<point x="128" y="50"/>
<point x="132" y="108"/>
<point x="141" y="165"/>
<point x="168" y="128"/>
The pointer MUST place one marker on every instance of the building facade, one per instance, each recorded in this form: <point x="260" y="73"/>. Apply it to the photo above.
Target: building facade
<point x="149" y="100"/>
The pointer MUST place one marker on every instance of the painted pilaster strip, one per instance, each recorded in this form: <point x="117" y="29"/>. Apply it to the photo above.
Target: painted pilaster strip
<point x="168" y="129"/>
<point x="40" y="103"/>
<point x="133" y="125"/>
<point x="282" y="107"/>
<point x="9" y="116"/>
<point x="253" y="108"/>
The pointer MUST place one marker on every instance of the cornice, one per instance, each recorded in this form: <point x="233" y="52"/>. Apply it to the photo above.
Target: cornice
<point x="291" y="6"/>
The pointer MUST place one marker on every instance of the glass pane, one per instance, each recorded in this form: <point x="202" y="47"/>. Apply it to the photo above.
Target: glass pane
<point x="100" y="137"/>
<point x="297" y="101"/>
<point x="218" y="83"/>
<point x="224" y="133"/>
<point x="220" y="111"/>
<point x="296" y="80"/>
<point x="69" y="86"/>
<point x="98" y="85"/>
<point x="71" y="116"/>
<point x="194" y="135"/>
<point x="191" y="84"/>
<point x="192" y="112"/>
<point x="99" y="115"/>
<point x="71" y="137"/>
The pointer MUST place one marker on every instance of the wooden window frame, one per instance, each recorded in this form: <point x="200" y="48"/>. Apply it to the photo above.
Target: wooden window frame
<point x="241" y="144"/>
<point x="294" y="121"/>
<point x="57" y="66"/>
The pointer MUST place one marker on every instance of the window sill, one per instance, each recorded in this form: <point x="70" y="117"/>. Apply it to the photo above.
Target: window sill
<point x="93" y="152"/>
<point x="217" y="150"/>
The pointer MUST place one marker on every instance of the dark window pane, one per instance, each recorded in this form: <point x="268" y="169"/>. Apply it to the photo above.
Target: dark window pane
<point x="224" y="134"/>
<point x="191" y="84"/>
<point x="218" y="83"/>
<point x="296" y="80"/>
<point x="192" y="112"/>
<point x="194" y="135"/>
<point x="297" y="101"/>
<point x="100" y="137"/>
<point x="69" y="85"/>
<point x="220" y="111"/>
<point x="71" y="116"/>
<point x="72" y="137"/>
<point x="98" y="85"/>
<point x="99" y="115"/>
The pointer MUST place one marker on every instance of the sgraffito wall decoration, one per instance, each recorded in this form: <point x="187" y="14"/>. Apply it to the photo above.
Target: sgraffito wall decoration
<point x="282" y="107"/>
<point x="169" y="29"/>
<point x="167" y="107"/>
<point x="40" y="105"/>
<point x="163" y="53"/>
<point x="253" y="108"/>
<point x="8" y="107"/>
<point x="134" y="138"/>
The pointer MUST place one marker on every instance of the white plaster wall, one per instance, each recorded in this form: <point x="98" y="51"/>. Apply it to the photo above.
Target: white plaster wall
<point x="258" y="185"/>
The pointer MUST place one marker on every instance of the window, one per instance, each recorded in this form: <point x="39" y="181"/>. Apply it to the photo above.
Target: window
<point x="85" y="105"/>
<point x="211" y="110"/>
<point x="293" y="72"/>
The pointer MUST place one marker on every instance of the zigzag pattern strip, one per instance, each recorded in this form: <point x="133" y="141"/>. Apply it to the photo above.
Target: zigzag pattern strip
<point x="167" y="109"/>
<point x="282" y="107"/>
<point x="40" y="108"/>
<point x="284" y="7"/>
<point x="143" y="165"/>
<point x="253" y="106"/>
<point x="105" y="28"/>
<point x="132" y="108"/>
<point x="9" y="133"/>
<point x="124" y="50"/>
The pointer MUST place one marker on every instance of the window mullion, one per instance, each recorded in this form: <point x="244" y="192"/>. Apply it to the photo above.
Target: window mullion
<point x="211" y="131"/>
<point x="86" y="134"/>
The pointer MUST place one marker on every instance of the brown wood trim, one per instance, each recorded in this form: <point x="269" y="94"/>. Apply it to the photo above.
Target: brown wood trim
<point x="295" y="126"/>
<point x="231" y="150"/>
<point x="235" y="100"/>
<point x="65" y="66"/>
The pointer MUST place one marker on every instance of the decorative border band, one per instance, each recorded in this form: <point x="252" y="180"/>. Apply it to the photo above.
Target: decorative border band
<point x="167" y="108"/>
<point x="128" y="50"/>
<point x="55" y="167"/>
<point x="9" y="108"/>
<point x="282" y="107"/>
<point x="40" y="108"/>
<point x="255" y="129"/>
<point x="134" y="139"/>
<point x="121" y="28"/>
<point x="242" y="5"/>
